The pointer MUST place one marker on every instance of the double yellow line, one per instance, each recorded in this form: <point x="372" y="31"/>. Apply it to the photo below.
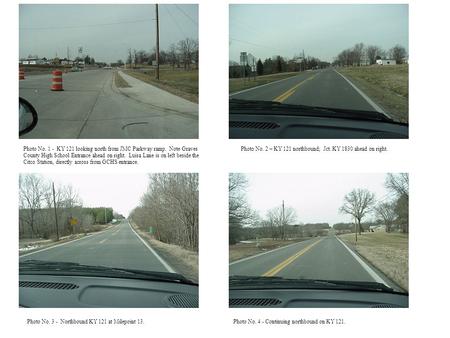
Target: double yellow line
<point x="291" y="91"/>
<point x="285" y="263"/>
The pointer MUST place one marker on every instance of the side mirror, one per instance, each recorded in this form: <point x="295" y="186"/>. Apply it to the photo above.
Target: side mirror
<point x="28" y="117"/>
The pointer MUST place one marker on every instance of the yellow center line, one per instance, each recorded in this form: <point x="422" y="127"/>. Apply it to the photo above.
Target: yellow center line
<point x="291" y="91"/>
<point x="285" y="263"/>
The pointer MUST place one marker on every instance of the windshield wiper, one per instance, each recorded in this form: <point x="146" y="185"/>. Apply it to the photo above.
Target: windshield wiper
<point x="259" y="283"/>
<point x="269" y="107"/>
<point x="37" y="267"/>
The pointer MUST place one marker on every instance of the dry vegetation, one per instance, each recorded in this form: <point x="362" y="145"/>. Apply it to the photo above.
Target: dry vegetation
<point x="386" y="85"/>
<point x="119" y="81"/>
<point x="182" y="260"/>
<point x="178" y="81"/>
<point x="388" y="252"/>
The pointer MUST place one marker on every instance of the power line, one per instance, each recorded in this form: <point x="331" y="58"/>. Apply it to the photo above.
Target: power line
<point x="91" y="25"/>
<point x="249" y="43"/>
<point x="175" y="21"/>
<point x="188" y="16"/>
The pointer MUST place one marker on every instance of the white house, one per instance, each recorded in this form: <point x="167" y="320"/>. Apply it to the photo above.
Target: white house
<point x="386" y="62"/>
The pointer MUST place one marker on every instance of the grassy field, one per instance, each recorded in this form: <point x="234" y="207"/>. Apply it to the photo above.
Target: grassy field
<point x="386" y="85"/>
<point x="388" y="252"/>
<point x="236" y="85"/>
<point x="180" y="82"/>
<point x="242" y="250"/>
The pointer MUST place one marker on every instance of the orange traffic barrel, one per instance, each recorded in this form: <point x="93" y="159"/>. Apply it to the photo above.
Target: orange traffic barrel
<point x="57" y="81"/>
<point x="21" y="74"/>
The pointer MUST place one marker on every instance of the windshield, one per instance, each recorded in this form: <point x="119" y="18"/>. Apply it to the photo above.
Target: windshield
<point x="297" y="231"/>
<point x="88" y="77"/>
<point x="88" y="224"/>
<point x="350" y="57"/>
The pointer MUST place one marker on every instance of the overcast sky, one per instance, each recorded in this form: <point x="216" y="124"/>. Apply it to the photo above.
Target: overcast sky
<point x="315" y="197"/>
<point x="322" y="31"/>
<point x="122" y="192"/>
<point x="105" y="32"/>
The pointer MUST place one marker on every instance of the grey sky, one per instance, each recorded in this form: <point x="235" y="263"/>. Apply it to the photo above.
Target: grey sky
<point x="320" y="30"/>
<point x="122" y="192"/>
<point x="315" y="197"/>
<point x="105" y="32"/>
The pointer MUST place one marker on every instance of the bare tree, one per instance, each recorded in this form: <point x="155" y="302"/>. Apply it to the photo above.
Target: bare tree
<point x="358" y="203"/>
<point x="398" y="184"/>
<point x="32" y="192"/>
<point x="358" y="53"/>
<point x="372" y="53"/>
<point x="398" y="53"/>
<point x="386" y="211"/>
<point x="187" y="48"/>
<point x="279" y="218"/>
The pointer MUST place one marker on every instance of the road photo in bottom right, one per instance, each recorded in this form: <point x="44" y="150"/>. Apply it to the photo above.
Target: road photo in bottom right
<point x="318" y="240"/>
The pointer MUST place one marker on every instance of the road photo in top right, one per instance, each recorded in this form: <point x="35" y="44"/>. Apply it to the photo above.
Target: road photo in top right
<point x="318" y="71"/>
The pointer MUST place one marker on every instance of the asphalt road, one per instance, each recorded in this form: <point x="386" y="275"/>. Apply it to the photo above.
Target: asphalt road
<point x="318" y="258"/>
<point x="118" y="246"/>
<point x="91" y="106"/>
<point x="323" y="88"/>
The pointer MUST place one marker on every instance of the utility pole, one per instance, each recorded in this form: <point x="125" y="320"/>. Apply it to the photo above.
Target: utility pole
<point x="157" y="43"/>
<point x="56" y="215"/>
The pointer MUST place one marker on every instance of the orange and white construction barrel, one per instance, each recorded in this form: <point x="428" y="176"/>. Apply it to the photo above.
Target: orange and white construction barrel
<point x="57" y="82"/>
<point x="21" y="74"/>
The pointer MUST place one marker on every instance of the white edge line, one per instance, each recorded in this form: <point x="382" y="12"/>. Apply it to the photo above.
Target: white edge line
<point x="368" y="269"/>
<point x="263" y="85"/>
<point x="69" y="242"/>
<point x="167" y="266"/>
<point x="263" y="253"/>
<point x="360" y="92"/>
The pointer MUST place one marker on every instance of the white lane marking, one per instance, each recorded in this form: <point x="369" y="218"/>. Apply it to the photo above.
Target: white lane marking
<point x="58" y="245"/>
<point x="163" y="262"/>
<point x="103" y="241"/>
<point x="263" y="85"/>
<point x="368" y="269"/>
<point x="263" y="253"/>
<point x="365" y="97"/>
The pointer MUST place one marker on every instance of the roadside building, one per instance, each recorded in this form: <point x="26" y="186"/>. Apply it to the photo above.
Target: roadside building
<point x="386" y="62"/>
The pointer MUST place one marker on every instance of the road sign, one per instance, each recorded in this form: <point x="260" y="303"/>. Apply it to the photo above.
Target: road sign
<point x="73" y="221"/>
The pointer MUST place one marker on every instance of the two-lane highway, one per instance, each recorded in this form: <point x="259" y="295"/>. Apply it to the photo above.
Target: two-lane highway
<point x="322" y="88"/>
<point x="118" y="247"/>
<point x="319" y="258"/>
<point x="91" y="106"/>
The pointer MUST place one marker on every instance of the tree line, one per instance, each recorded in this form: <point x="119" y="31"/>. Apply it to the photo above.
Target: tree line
<point x="47" y="211"/>
<point x="169" y="209"/>
<point x="275" y="65"/>
<point x="182" y="54"/>
<point x="361" y="54"/>
<point x="392" y="213"/>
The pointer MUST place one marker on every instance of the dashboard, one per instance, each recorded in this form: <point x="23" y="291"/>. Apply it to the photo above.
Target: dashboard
<point x="273" y="126"/>
<point x="47" y="291"/>
<point x="307" y="298"/>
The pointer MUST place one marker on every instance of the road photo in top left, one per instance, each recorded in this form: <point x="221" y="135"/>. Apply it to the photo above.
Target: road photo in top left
<point x="108" y="71"/>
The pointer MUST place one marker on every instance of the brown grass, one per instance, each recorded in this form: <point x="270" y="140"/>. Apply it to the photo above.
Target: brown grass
<point x="183" y="261"/>
<point x="180" y="82"/>
<point x="386" y="85"/>
<point x="388" y="252"/>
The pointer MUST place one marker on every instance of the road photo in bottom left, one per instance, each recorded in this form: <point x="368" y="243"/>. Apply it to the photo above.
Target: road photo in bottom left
<point x="108" y="240"/>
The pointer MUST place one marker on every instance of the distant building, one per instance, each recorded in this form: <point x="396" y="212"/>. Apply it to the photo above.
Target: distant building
<point x="386" y="62"/>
